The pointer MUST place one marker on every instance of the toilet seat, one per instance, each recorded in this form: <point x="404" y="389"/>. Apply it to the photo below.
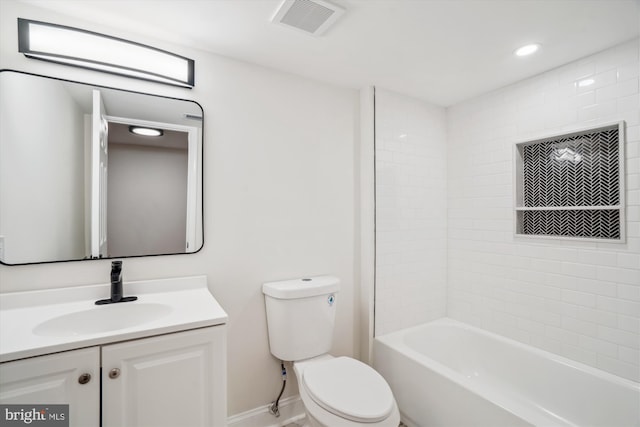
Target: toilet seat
<point x="349" y="389"/>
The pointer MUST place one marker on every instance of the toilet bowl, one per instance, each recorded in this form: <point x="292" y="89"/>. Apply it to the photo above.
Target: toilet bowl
<point x="344" y="392"/>
<point x="335" y="391"/>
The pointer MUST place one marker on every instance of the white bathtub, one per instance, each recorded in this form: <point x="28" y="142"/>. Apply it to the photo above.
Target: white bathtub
<point x="447" y="373"/>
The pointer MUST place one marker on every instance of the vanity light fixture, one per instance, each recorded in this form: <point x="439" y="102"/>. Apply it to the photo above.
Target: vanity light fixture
<point x="138" y="130"/>
<point x="527" y="49"/>
<point x="87" y="49"/>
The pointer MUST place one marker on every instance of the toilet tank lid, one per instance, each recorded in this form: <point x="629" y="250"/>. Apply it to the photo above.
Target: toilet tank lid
<point x="302" y="288"/>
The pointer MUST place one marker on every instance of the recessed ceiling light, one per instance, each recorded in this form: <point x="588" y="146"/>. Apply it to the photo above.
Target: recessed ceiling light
<point x="145" y="131"/>
<point x="527" y="49"/>
<point x="586" y="82"/>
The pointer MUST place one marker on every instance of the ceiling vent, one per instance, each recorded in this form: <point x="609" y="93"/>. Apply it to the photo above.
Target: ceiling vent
<point x="309" y="16"/>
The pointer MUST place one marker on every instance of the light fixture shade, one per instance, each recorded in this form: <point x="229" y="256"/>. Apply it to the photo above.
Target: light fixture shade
<point x="86" y="49"/>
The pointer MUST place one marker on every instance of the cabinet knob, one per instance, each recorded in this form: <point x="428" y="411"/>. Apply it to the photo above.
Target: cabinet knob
<point x="114" y="373"/>
<point x="84" y="378"/>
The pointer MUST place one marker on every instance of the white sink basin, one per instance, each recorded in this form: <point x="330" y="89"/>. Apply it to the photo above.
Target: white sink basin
<point x="102" y="318"/>
<point x="33" y="323"/>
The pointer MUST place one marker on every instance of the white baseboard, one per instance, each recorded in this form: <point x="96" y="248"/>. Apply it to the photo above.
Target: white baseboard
<point x="291" y="410"/>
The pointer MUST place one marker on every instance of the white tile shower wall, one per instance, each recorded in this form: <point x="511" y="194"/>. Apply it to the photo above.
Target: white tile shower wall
<point x="577" y="299"/>
<point x="410" y="212"/>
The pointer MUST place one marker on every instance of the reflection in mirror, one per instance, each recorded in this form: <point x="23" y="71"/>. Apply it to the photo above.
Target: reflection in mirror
<point x="77" y="183"/>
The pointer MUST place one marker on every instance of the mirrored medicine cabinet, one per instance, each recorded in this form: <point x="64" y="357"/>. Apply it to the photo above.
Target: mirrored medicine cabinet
<point x="76" y="182"/>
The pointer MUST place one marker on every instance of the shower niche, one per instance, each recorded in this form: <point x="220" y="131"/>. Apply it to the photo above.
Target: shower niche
<point x="571" y="186"/>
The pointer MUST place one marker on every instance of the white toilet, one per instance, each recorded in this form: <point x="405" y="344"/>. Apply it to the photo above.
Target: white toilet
<point x="336" y="391"/>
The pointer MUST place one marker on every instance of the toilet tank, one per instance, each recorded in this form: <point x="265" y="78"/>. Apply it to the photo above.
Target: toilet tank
<point x="300" y="316"/>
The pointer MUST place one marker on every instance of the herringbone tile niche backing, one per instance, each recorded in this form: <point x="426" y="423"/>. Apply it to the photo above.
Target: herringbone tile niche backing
<point x="571" y="186"/>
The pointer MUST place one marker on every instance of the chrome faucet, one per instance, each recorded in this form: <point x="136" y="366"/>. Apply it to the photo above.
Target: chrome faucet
<point x="116" y="286"/>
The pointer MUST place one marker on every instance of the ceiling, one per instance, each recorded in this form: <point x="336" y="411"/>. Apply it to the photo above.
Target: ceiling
<point x="170" y="139"/>
<point x="442" y="51"/>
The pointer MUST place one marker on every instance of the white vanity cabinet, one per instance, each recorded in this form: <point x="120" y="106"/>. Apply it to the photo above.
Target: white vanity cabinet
<point x="176" y="379"/>
<point x="169" y="380"/>
<point x="71" y="377"/>
<point x="157" y="361"/>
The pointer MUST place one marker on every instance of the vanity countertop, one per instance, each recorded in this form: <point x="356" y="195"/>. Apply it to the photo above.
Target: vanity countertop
<point x="34" y="323"/>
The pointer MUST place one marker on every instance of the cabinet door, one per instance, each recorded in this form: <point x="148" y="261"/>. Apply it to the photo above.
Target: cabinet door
<point x="171" y="380"/>
<point x="55" y="379"/>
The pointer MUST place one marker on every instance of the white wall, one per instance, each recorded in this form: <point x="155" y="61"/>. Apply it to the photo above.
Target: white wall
<point x="157" y="222"/>
<point x="580" y="300"/>
<point x="279" y="154"/>
<point x="411" y="214"/>
<point x="42" y="152"/>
